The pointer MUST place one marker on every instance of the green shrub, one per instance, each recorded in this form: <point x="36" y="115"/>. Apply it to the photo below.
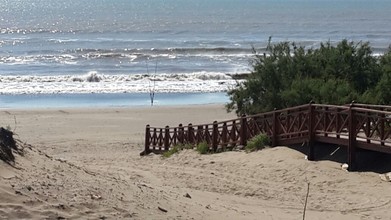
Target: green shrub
<point x="203" y="148"/>
<point x="257" y="142"/>
<point x="175" y="149"/>
<point x="188" y="146"/>
<point x="288" y="75"/>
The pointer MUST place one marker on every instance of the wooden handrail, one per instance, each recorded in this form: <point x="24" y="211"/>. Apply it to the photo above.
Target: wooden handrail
<point x="354" y="126"/>
<point x="367" y="106"/>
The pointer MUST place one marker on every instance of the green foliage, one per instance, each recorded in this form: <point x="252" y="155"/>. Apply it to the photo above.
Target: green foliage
<point x="383" y="87"/>
<point x="187" y="146"/>
<point x="175" y="149"/>
<point x="289" y="75"/>
<point x="203" y="148"/>
<point x="257" y="142"/>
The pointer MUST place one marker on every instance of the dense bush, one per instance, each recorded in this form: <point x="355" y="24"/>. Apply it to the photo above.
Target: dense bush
<point x="257" y="142"/>
<point x="203" y="148"/>
<point x="173" y="150"/>
<point x="289" y="75"/>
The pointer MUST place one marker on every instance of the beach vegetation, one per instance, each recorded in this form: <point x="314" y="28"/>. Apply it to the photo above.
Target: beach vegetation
<point x="287" y="75"/>
<point x="187" y="146"/>
<point x="173" y="150"/>
<point x="257" y="142"/>
<point x="202" y="148"/>
<point x="176" y="149"/>
<point x="8" y="146"/>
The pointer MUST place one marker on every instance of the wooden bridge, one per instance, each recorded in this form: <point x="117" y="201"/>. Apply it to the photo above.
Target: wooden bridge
<point x="354" y="126"/>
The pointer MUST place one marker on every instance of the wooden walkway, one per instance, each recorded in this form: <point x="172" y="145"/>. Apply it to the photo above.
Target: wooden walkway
<point x="354" y="126"/>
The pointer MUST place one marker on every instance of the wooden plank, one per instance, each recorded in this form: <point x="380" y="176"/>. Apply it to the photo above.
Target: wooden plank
<point x="374" y="147"/>
<point x="332" y="140"/>
<point x="291" y="141"/>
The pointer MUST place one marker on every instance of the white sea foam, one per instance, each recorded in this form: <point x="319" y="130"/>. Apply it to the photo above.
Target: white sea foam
<point x="100" y="83"/>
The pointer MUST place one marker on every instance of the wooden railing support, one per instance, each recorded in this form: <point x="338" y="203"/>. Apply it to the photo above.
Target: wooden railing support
<point x="326" y="121"/>
<point x="200" y="134"/>
<point x="243" y="130"/>
<point x="224" y="136"/>
<point x="167" y="138"/>
<point x="147" y="141"/>
<point x="352" y="140"/>
<point x="368" y="126"/>
<point x="180" y="134"/>
<point x="161" y="139"/>
<point x="274" y="135"/>
<point x="311" y="132"/>
<point x="382" y="128"/>
<point x="190" y="134"/>
<point x="337" y="123"/>
<point x="215" y="135"/>
<point x="207" y="136"/>
<point x="233" y="133"/>
<point x="155" y="138"/>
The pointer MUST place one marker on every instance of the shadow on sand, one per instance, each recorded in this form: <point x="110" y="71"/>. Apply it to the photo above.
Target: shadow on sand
<point x="367" y="161"/>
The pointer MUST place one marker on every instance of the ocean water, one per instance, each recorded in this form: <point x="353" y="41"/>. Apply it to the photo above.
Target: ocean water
<point x="169" y="46"/>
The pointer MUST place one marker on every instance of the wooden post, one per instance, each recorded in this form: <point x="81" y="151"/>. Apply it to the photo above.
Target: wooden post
<point x="147" y="140"/>
<point x="200" y="134"/>
<point x="368" y="127"/>
<point x="337" y="123"/>
<point x="352" y="140"/>
<point x="224" y="135"/>
<point x="175" y="137"/>
<point x="215" y="135"/>
<point x="311" y="132"/>
<point x="190" y="134"/>
<point x="275" y="129"/>
<point x="161" y="139"/>
<point x="155" y="138"/>
<point x="233" y="132"/>
<point x="181" y="134"/>
<point x="206" y="135"/>
<point x="243" y="130"/>
<point x="264" y="126"/>
<point x="382" y="128"/>
<point x="300" y="121"/>
<point x="326" y="121"/>
<point x="167" y="138"/>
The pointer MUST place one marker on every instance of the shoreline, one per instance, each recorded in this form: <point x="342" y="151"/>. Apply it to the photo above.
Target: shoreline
<point x="105" y="100"/>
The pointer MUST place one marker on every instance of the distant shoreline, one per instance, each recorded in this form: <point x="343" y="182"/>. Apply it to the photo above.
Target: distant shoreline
<point x="113" y="100"/>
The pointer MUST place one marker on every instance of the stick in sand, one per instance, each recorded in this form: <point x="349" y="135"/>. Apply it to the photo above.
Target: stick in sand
<point x="152" y="89"/>
<point x="306" y="199"/>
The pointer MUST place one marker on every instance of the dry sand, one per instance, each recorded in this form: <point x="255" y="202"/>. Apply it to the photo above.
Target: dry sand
<point x="85" y="164"/>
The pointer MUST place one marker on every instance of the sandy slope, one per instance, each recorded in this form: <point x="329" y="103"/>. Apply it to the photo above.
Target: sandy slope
<point x="84" y="164"/>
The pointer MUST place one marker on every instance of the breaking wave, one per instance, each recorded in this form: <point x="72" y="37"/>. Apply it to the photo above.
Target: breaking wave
<point x="93" y="76"/>
<point x="77" y="56"/>
<point x="103" y="83"/>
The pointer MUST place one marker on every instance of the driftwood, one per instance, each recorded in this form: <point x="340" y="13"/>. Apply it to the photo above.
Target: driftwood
<point x="7" y="146"/>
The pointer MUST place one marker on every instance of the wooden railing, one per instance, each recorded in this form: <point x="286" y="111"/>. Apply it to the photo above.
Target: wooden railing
<point x="354" y="126"/>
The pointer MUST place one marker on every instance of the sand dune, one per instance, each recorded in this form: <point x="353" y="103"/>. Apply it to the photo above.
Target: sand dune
<point x="85" y="164"/>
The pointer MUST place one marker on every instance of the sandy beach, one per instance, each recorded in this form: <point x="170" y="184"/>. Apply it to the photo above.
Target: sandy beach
<point x="85" y="164"/>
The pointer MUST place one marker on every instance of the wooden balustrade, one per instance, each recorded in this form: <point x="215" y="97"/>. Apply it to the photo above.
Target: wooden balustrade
<point x="354" y="126"/>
